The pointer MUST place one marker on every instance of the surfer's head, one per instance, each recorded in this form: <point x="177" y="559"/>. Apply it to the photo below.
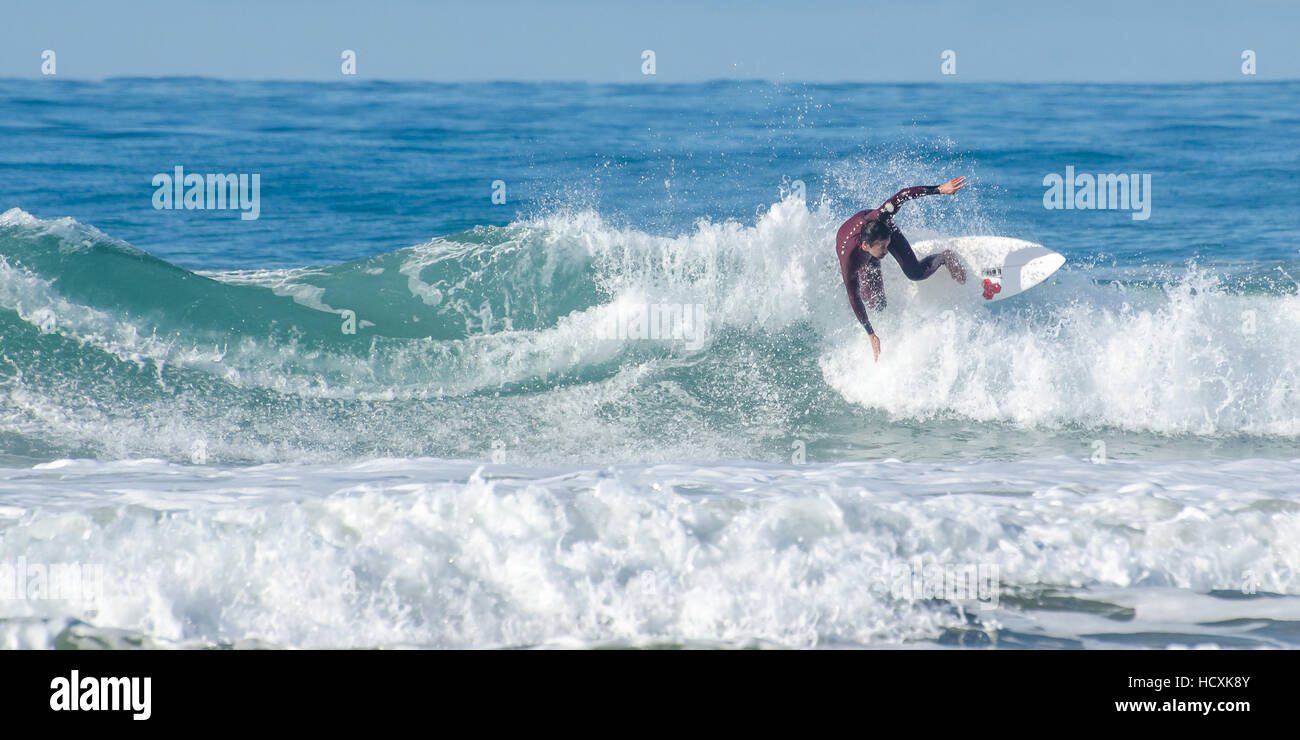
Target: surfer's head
<point x="875" y="238"/>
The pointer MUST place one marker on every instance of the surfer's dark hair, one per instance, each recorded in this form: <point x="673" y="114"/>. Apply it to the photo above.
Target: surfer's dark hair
<point x="876" y="231"/>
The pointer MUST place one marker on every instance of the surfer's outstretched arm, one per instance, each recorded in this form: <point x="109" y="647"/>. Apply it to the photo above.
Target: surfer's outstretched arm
<point x="851" y="232"/>
<point x="948" y="188"/>
<point x="891" y="206"/>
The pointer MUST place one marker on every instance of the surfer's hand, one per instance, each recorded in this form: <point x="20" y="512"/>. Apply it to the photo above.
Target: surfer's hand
<point x="875" y="346"/>
<point x="952" y="186"/>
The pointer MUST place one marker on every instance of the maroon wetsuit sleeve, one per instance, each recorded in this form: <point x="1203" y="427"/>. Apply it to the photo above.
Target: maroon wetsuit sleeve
<point x="855" y="300"/>
<point x="850" y="270"/>
<point x="848" y="242"/>
<point x="890" y="207"/>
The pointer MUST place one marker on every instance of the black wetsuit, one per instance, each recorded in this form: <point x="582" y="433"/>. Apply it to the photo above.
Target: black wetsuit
<point x="861" y="271"/>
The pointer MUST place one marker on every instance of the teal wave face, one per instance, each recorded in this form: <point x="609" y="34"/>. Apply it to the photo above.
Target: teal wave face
<point x="484" y="280"/>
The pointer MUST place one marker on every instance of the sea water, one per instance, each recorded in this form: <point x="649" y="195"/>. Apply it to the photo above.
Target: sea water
<point x="390" y="410"/>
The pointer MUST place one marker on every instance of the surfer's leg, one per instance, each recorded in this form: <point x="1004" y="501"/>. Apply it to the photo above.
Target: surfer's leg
<point x="920" y="270"/>
<point x="906" y="258"/>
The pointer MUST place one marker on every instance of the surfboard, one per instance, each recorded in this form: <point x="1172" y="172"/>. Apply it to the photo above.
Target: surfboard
<point x="997" y="267"/>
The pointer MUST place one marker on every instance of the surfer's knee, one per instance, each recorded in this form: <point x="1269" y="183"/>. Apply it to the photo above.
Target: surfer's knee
<point x="919" y="270"/>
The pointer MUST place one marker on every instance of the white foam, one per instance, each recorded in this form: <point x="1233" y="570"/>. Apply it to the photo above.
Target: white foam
<point x="451" y="554"/>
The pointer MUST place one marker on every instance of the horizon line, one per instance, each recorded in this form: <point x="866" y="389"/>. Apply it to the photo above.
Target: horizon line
<point x="1252" y="80"/>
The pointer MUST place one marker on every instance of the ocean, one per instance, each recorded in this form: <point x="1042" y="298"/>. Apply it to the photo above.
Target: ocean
<point x="390" y="411"/>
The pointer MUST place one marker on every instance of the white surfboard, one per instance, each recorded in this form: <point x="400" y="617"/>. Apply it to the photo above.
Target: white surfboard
<point x="997" y="267"/>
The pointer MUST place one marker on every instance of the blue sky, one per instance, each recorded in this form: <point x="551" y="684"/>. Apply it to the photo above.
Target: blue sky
<point x="814" y="40"/>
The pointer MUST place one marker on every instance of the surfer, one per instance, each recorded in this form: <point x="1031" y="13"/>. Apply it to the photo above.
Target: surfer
<point x="863" y="240"/>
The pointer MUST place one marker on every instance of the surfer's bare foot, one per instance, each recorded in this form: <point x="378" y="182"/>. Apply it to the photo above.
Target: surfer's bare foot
<point x="954" y="267"/>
